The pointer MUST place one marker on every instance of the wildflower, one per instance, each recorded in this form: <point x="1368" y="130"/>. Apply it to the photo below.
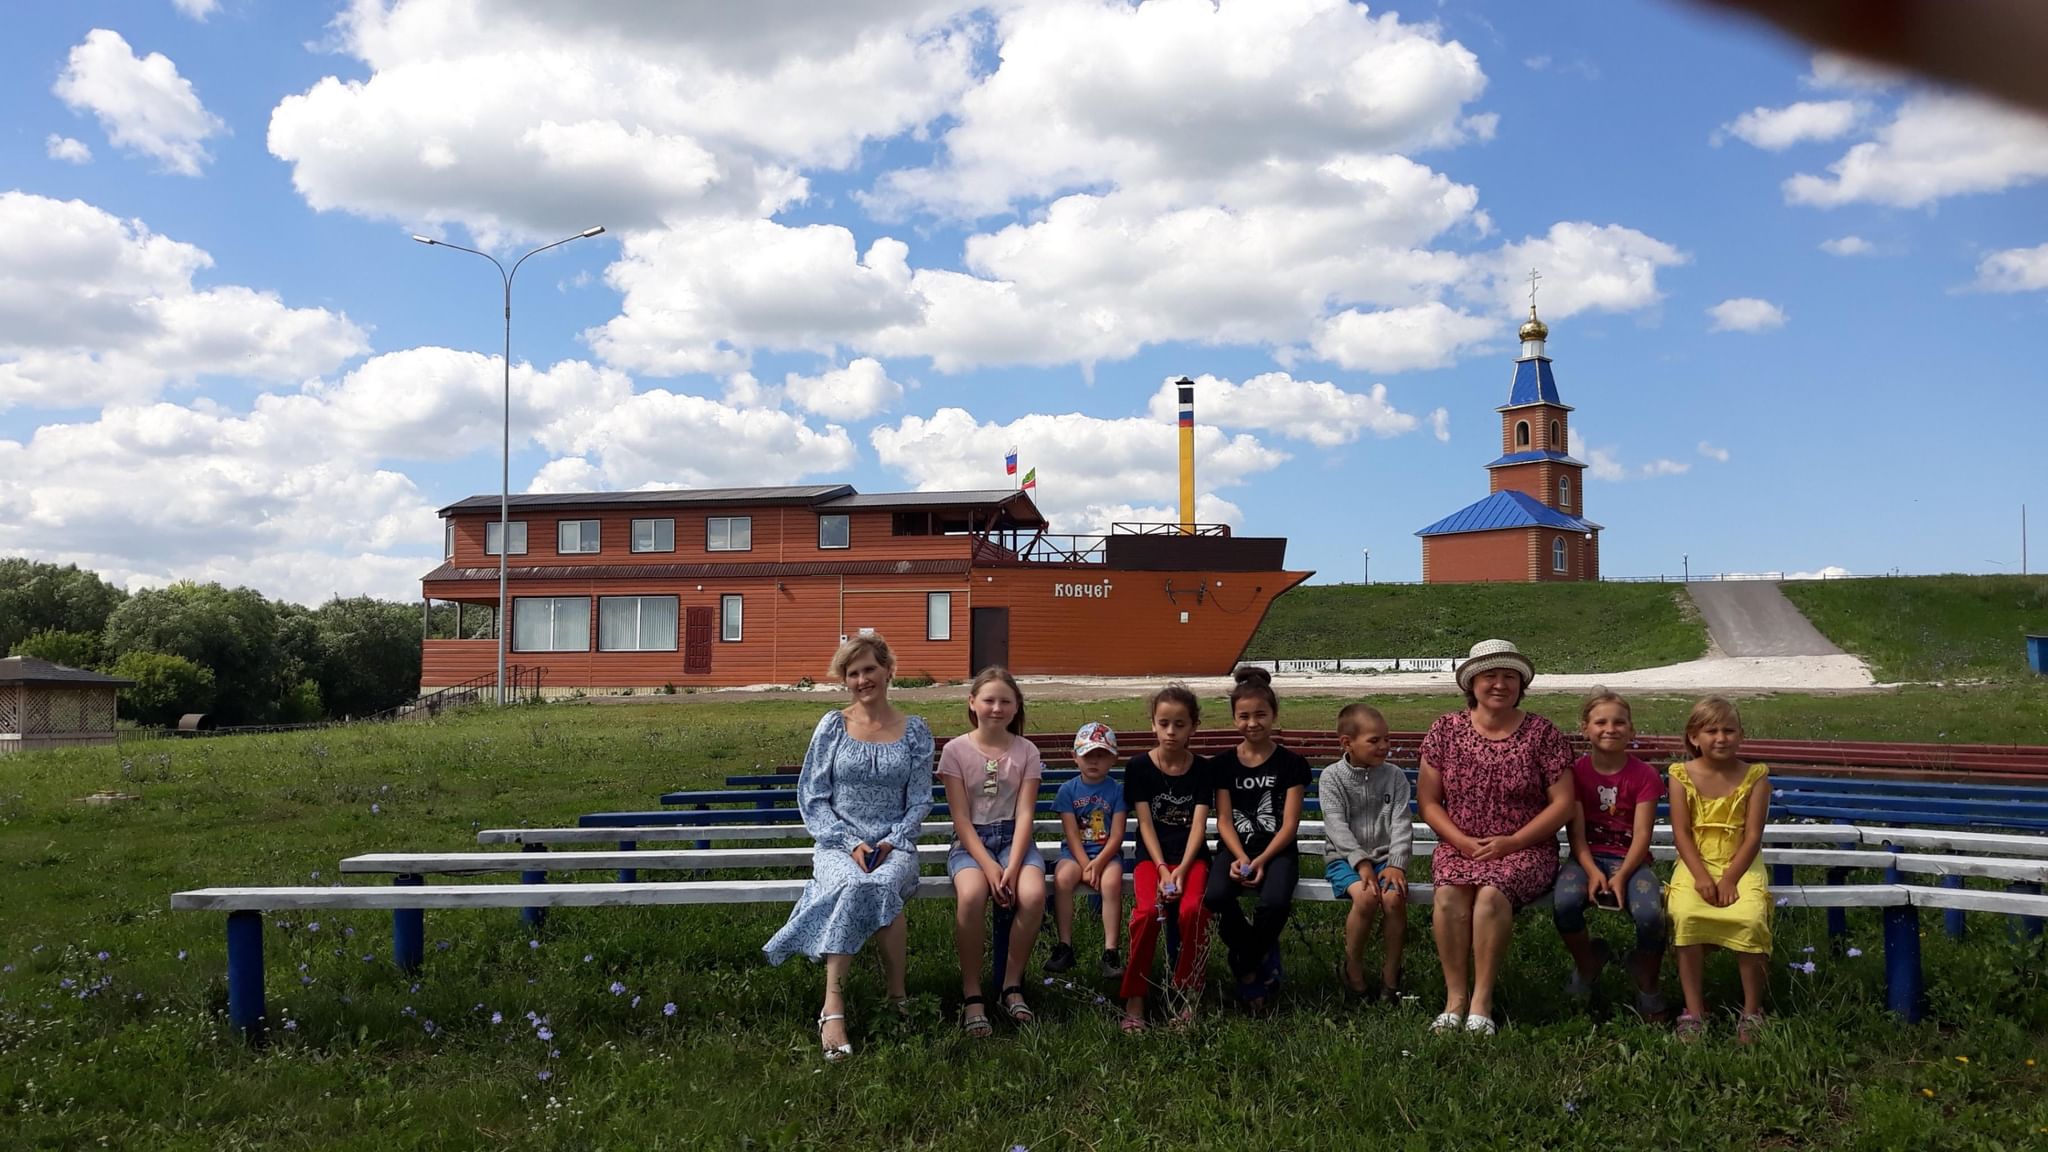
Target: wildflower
<point x="428" y="1027"/>
<point x="1962" y="1059"/>
<point x="635" y="1003"/>
<point x="554" y="1053"/>
<point x="1784" y="901"/>
<point x="347" y="931"/>
<point x="586" y="957"/>
<point x="618" y="989"/>
<point x="442" y="945"/>
<point x="291" y="1025"/>
<point x="415" y="986"/>
<point x="104" y="957"/>
<point x="533" y="943"/>
<point x="409" y="1010"/>
<point x="478" y="1008"/>
<point x="544" y="1074"/>
<point x="66" y="982"/>
<point x="1853" y="953"/>
<point x="497" y="1017"/>
<point x="374" y="809"/>
<point x="1808" y="949"/>
<point x="1927" y="1092"/>
<point x="669" y="1009"/>
<point x="316" y="875"/>
<point x="1571" y="1106"/>
<point x="544" y="1035"/>
<point x="7" y="970"/>
<point x="2030" y="1063"/>
<point x="313" y="927"/>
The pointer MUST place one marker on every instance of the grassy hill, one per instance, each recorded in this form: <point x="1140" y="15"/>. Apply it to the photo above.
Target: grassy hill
<point x="1564" y="627"/>
<point x="1930" y="627"/>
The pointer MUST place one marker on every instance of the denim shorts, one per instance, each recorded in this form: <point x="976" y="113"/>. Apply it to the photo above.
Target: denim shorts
<point x="1093" y="850"/>
<point x="996" y="838"/>
<point x="1341" y="875"/>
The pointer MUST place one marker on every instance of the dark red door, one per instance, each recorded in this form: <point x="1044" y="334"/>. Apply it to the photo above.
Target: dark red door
<point x="989" y="643"/>
<point x="697" y="624"/>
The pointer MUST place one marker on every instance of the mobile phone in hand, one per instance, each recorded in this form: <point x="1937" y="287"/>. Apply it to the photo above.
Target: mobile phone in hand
<point x="1607" y="898"/>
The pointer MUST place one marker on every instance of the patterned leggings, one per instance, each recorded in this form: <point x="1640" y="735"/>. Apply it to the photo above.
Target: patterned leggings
<point x="1643" y="901"/>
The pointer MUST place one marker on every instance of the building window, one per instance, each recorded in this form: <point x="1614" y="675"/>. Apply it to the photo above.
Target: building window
<point x="493" y="548"/>
<point x="1556" y="437"/>
<point x="729" y="534"/>
<point x="1564" y="493"/>
<point x="1557" y="563"/>
<point x="636" y="623"/>
<point x="448" y="540"/>
<point x="573" y="536"/>
<point x="551" y="624"/>
<point x="1521" y="433"/>
<point x="654" y="535"/>
<point x="835" y="532"/>
<point x="938" y="616"/>
<point x="731" y="614"/>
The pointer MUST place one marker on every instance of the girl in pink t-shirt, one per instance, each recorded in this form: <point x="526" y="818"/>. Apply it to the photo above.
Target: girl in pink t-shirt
<point x="1610" y="854"/>
<point x="991" y="775"/>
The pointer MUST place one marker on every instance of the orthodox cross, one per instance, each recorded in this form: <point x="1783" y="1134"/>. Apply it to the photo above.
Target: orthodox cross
<point x="1534" y="276"/>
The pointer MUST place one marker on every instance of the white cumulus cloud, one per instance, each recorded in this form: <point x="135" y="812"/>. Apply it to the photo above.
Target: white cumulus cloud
<point x="2014" y="270"/>
<point x="1712" y="453"/>
<point x="1440" y="424"/>
<point x="66" y="149"/>
<point x="1776" y="129"/>
<point x="1937" y="145"/>
<point x="1848" y="246"/>
<point x="1313" y="410"/>
<point x="1090" y="470"/>
<point x="197" y="9"/>
<point x="855" y="392"/>
<point x="1398" y="339"/>
<point x="1584" y="267"/>
<point x="142" y="103"/>
<point x="1746" y="314"/>
<point x="96" y="309"/>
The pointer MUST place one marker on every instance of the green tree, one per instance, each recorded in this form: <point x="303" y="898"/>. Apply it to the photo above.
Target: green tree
<point x="230" y="631"/>
<point x="369" y="654"/>
<point x="166" y="687"/>
<point x="39" y="597"/>
<point x="71" y="649"/>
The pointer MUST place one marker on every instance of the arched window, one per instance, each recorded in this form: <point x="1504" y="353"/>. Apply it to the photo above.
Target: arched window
<point x="1521" y="433"/>
<point x="1556" y="436"/>
<point x="1557" y="563"/>
<point x="1564" y="493"/>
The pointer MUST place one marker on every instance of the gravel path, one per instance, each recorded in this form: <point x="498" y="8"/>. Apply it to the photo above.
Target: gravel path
<point x="1753" y="618"/>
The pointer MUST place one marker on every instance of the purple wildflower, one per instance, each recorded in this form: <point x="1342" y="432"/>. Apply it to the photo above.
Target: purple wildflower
<point x="668" y="1009"/>
<point x="533" y="943"/>
<point x="313" y="927"/>
<point x="7" y="970"/>
<point x="66" y="982"/>
<point x="291" y="1025"/>
<point x="554" y="1053"/>
<point x="428" y="1027"/>
<point x="544" y="1035"/>
<point x="408" y="1010"/>
<point x="586" y="957"/>
<point x="497" y="1017"/>
<point x="375" y="808"/>
<point x="1808" y="950"/>
<point x="635" y="1003"/>
<point x="1853" y="953"/>
<point x="618" y="989"/>
<point x="544" y="1074"/>
<point x="104" y="957"/>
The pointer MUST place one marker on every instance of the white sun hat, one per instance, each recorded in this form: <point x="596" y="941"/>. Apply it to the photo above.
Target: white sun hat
<point x="1488" y="655"/>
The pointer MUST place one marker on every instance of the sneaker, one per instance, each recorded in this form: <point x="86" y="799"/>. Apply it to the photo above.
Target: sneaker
<point x="1651" y="1006"/>
<point x="1580" y="986"/>
<point x="1062" y="958"/>
<point x="1112" y="963"/>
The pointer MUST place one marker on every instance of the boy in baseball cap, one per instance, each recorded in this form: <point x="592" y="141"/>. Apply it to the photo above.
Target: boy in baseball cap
<point x="1092" y="814"/>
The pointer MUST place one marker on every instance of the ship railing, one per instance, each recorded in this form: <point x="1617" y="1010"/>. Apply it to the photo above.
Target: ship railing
<point x="1147" y="528"/>
<point x="1042" y="548"/>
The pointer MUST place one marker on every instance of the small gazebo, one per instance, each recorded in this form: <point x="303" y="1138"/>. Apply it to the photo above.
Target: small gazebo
<point x="45" y="705"/>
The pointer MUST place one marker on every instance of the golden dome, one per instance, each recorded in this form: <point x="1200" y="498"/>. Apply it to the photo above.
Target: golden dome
<point x="1535" y="329"/>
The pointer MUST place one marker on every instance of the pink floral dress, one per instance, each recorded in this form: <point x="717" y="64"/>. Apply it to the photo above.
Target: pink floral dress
<point x="1492" y="788"/>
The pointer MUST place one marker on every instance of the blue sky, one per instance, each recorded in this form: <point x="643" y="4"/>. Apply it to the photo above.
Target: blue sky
<point x="878" y="246"/>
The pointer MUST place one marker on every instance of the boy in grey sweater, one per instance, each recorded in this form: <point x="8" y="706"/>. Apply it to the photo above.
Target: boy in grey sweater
<point x="1367" y="822"/>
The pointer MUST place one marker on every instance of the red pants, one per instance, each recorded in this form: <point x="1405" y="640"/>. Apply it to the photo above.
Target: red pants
<point x="1145" y="926"/>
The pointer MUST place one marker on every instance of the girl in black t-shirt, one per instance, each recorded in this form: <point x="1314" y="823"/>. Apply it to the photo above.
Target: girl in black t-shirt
<point x="1259" y="791"/>
<point x="1170" y="791"/>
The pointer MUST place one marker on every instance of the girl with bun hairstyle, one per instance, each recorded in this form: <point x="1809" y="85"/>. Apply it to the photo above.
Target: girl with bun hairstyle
<point x="1260" y="787"/>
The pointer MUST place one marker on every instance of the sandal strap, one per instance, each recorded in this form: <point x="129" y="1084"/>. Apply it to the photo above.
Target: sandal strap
<point x="973" y="1000"/>
<point x="831" y="1016"/>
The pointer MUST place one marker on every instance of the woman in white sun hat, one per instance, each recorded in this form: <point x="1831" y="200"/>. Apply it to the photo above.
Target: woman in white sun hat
<point x="1495" y="785"/>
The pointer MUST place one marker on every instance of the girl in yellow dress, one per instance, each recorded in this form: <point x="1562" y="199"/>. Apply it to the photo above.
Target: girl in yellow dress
<point x="1720" y="897"/>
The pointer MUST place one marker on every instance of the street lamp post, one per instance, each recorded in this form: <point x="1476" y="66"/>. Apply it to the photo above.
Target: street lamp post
<point x="1368" y="565"/>
<point x="505" y="458"/>
<point x="1686" y="559"/>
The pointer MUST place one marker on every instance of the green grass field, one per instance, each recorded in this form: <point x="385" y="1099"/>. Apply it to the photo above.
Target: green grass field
<point x="1566" y="627"/>
<point x="112" y="1033"/>
<point x="1944" y="628"/>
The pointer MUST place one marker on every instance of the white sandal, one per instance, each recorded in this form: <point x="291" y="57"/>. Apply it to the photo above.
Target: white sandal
<point x="834" y="1053"/>
<point x="1481" y="1025"/>
<point x="1446" y="1022"/>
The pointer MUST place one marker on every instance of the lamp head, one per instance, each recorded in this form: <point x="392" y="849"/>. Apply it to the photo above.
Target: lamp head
<point x="587" y="233"/>
<point x="428" y="240"/>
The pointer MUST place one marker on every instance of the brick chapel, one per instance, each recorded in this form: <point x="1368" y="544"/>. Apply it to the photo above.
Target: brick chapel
<point x="1533" y="526"/>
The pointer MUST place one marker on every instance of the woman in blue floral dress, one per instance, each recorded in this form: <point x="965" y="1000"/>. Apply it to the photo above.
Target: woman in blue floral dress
<point x="865" y="790"/>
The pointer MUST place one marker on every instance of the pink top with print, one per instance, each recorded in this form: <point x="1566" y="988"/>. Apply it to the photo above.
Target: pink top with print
<point x="1609" y="802"/>
<point x="992" y="782"/>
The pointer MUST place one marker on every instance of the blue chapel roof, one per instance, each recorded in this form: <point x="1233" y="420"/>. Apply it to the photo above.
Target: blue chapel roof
<point x="1529" y="457"/>
<point x="1534" y="384"/>
<point x="1506" y="509"/>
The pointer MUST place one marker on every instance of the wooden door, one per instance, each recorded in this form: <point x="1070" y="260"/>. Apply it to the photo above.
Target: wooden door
<point x="989" y="642"/>
<point x="697" y="625"/>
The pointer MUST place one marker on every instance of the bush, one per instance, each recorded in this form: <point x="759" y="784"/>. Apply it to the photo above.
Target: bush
<point x="166" y="687"/>
<point x="301" y="705"/>
<point x="920" y="680"/>
<point x="71" y="649"/>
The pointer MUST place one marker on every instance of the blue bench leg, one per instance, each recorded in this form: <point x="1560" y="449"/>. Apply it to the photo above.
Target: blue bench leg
<point x="2028" y="927"/>
<point x="703" y="845"/>
<point x="1838" y="918"/>
<point x="533" y="916"/>
<point x="1781" y="876"/>
<point x="629" y="875"/>
<point x="1904" y="989"/>
<point x="1000" y="921"/>
<point x="408" y="930"/>
<point x="245" y="973"/>
<point x="1954" y="919"/>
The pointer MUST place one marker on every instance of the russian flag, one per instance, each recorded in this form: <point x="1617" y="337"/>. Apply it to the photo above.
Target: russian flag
<point x="1187" y="402"/>
<point x="1010" y="463"/>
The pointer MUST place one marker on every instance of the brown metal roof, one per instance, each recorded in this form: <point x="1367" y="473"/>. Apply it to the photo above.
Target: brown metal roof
<point x="1016" y="506"/>
<point x="793" y="494"/>
<point x="29" y="670"/>
<point x="449" y="573"/>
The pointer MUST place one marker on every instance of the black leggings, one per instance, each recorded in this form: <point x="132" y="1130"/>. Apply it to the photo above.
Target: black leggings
<point x="1250" y="940"/>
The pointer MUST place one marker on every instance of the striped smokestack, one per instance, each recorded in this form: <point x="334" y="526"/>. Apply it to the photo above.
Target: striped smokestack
<point x="1186" y="388"/>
